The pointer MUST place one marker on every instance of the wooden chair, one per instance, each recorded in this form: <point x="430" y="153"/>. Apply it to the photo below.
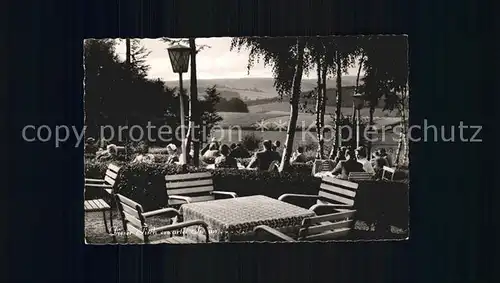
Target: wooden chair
<point x="333" y="193"/>
<point x="135" y="221"/>
<point x="106" y="186"/>
<point x="359" y="176"/>
<point x="390" y="171"/>
<point x="192" y="187"/>
<point x="324" y="227"/>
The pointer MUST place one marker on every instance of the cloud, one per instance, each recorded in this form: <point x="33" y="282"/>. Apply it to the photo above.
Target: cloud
<point x="212" y="63"/>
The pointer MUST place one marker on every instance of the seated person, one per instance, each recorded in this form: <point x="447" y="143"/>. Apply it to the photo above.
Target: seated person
<point x="90" y="146"/>
<point x="144" y="156"/>
<point x="387" y="157"/>
<point x="378" y="163"/>
<point x="298" y="156"/>
<point x="263" y="159"/>
<point x="361" y="156"/>
<point x="110" y="153"/>
<point x="212" y="153"/>
<point x="347" y="166"/>
<point x="224" y="160"/>
<point x="340" y="155"/>
<point x="173" y="157"/>
<point x="276" y="148"/>
<point x="239" y="152"/>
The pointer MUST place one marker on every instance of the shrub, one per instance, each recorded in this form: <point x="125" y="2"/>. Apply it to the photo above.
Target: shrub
<point x="251" y="141"/>
<point x="145" y="183"/>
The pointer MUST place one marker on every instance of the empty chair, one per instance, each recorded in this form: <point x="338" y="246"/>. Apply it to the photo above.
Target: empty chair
<point x="388" y="173"/>
<point x="317" y="228"/>
<point x="360" y="176"/>
<point x="135" y="222"/>
<point x="193" y="187"/>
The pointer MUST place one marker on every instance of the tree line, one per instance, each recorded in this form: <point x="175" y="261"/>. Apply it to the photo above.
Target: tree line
<point x="382" y="58"/>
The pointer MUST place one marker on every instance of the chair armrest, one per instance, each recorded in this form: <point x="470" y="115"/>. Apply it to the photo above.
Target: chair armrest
<point x="185" y="224"/>
<point x="274" y="232"/>
<point x="94" y="180"/>
<point x="161" y="211"/>
<point x="284" y="196"/>
<point x="234" y="195"/>
<point x="333" y="206"/>
<point x="186" y="199"/>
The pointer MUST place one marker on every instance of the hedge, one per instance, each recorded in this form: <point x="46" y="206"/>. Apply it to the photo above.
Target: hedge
<point x="145" y="183"/>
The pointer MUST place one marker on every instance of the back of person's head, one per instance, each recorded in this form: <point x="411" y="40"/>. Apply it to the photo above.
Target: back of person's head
<point x="267" y="144"/>
<point x="213" y="146"/>
<point x="112" y="149"/>
<point x="300" y="149"/>
<point x="277" y="144"/>
<point x="224" y="149"/>
<point x="349" y="154"/>
<point x="273" y="148"/>
<point x="239" y="145"/>
<point x="233" y="146"/>
<point x="382" y="151"/>
<point x="361" y="152"/>
<point x="172" y="147"/>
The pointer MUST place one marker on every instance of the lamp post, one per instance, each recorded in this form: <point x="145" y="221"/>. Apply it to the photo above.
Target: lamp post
<point x="179" y="58"/>
<point x="359" y="102"/>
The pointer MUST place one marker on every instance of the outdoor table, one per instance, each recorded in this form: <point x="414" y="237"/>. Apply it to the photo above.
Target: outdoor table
<point x="234" y="219"/>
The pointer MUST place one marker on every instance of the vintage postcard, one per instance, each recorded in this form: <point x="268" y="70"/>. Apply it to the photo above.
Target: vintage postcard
<point x="248" y="139"/>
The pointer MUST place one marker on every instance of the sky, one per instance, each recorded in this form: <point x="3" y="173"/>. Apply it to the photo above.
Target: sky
<point x="216" y="62"/>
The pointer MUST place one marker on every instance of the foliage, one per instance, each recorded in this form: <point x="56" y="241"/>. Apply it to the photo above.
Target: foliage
<point x="232" y="105"/>
<point x="251" y="141"/>
<point x="118" y="96"/>
<point x="145" y="183"/>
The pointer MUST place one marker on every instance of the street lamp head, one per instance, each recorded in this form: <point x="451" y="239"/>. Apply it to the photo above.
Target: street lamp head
<point x="179" y="58"/>
<point x="359" y="100"/>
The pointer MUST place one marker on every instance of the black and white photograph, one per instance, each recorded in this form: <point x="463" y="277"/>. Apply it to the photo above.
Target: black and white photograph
<point x="246" y="139"/>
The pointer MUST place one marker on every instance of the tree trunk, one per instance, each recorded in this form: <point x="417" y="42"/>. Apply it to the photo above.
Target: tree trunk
<point x="361" y="60"/>
<point x="319" y="102"/>
<point x="338" y="112"/>
<point x="294" y="106"/>
<point x="194" y="115"/>
<point x="370" y="124"/>
<point x="128" y="62"/>
<point x="127" y="53"/>
<point x="323" y="109"/>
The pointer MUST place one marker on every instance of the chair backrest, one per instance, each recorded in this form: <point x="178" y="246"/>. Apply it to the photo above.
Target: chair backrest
<point x="326" y="227"/>
<point x="197" y="186"/>
<point x="386" y="171"/>
<point x="132" y="218"/>
<point x="336" y="191"/>
<point x="111" y="174"/>
<point x="359" y="176"/>
<point x="322" y="165"/>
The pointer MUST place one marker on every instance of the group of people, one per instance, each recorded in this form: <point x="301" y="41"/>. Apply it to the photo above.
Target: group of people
<point x="224" y="156"/>
<point x="349" y="160"/>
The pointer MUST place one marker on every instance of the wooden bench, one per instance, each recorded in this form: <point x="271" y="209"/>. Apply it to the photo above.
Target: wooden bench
<point x="333" y="193"/>
<point x="192" y="187"/>
<point x="324" y="227"/>
<point x="360" y="176"/>
<point x="106" y="186"/>
<point x="135" y="221"/>
<point x="389" y="171"/>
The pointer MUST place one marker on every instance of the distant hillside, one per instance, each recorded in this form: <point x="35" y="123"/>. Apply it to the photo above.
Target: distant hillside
<point x="257" y="88"/>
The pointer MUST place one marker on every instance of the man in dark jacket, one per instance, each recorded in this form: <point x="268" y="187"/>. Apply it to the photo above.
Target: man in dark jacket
<point x="347" y="166"/>
<point x="263" y="159"/>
